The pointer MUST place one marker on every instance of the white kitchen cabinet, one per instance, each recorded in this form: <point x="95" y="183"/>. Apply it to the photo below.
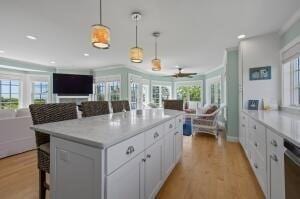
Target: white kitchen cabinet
<point x="154" y="169"/>
<point x="275" y="151"/>
<point x="128" y="181"/>
<point x="169" y="159"/>
<point x="177" y="145"/>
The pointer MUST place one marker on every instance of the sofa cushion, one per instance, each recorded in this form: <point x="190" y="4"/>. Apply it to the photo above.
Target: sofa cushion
<point x="7" y="113"/>
<point x="45" y="147"/>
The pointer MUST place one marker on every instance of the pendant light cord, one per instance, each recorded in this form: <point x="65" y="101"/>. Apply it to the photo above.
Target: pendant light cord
<point x="100" y="12"/>
<point x="136" y="31"/>
<point x="155" y="47"/>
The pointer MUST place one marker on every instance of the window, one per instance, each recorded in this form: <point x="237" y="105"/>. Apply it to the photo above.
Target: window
<point x="113" y="90"/>
<point x="108" y="90"/>
<point x="134" y="89"/>
<point x="100" y="91"/>
<point x="40" y="92"/>
<point x="215" y="93"/>
<point x="291" y="83"/>
<point x="160" y="93"/>
<point x="189" y="93"/>
<point x="9" y="94"/>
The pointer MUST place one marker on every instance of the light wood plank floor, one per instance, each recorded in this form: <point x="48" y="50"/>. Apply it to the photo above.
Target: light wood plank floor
<point x="209" y="169"/>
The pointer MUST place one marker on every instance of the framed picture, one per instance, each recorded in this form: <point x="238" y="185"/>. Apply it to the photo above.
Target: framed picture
<point x="253" y="104"/>
<point x="260" y="73"/>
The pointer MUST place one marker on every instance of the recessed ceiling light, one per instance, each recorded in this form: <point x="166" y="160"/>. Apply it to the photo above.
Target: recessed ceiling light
<point x="2" y="51"/>
<point x="86" y="54"/>
<point x="241" y="36"/>
<point x="52" y="62"/>
<point x="31" y="37"/>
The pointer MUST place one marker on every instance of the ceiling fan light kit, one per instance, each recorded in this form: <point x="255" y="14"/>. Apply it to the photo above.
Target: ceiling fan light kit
<point x="100" y="35"/>
<point x="136" y="53"/>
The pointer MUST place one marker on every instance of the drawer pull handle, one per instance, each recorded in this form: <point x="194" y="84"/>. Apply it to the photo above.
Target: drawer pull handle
<point x="144" y="159"/>
<point x="148" y="156"/>
<point x="255" y="144"/>
<point x="170" y="126"/>
<point x="255" y="165"/>
<point x="155" y="135"/>
<point x="130" y="150"/>
<point x="176" y="133"/>
<point x="274" y="157"/>
<point x="274" y="143"/>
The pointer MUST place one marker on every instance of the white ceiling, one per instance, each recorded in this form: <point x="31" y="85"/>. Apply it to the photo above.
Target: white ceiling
<point x="194" y="33"/>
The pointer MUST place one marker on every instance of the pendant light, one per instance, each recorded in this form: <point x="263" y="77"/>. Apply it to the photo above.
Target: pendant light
<point x="136" y="53"/>
<point x="156" y="64"/>
<point x="100" y="35"/>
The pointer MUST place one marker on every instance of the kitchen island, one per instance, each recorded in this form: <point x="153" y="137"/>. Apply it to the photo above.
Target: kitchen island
<point x="115" y="156"/>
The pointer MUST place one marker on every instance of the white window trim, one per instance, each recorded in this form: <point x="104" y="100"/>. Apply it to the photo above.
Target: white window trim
<point x="209" y="82"/>
<point x="38" y="78"/>
<point x="106" y="79"/>
<point x="190" y="83"/>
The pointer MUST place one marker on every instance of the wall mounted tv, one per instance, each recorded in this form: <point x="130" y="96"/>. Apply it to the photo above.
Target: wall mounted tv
<point x="69" y="84"/>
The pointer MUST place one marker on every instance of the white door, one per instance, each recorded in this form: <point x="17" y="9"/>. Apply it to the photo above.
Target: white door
<point x="177" y="145"/>
<point x="128" y="181"/>
<point x="153" y="169"/>
<point x="169" y="153"/>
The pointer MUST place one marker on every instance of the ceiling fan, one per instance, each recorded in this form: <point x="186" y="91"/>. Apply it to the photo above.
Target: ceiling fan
<point x="181" y="74"/>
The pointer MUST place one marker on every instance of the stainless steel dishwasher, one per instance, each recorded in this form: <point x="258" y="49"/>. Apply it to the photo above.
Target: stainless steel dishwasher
<point x="292" y="170"/>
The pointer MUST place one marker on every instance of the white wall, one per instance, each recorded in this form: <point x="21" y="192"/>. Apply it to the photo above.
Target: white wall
<point x="256" y="52"/>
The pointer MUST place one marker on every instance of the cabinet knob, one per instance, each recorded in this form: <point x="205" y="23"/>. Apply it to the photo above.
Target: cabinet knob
<point x="170" y="126"/>
<point x="130" y="150"/>
<point x="176" y="133"/>
<point x="274" y="157"/>
<point x="274" y="143"/>
<point x="156" y="135"/>
<point x="144" y="159"/>
<point x="254" y="127"/>
<point x="180" y="120"/>
<point x="148" y="156"/>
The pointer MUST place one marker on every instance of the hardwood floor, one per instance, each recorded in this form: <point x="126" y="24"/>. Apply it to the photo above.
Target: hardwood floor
<point x="209" y="169"/>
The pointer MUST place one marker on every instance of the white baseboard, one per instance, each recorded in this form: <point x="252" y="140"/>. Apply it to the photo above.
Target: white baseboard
<point x="232" y="138"/>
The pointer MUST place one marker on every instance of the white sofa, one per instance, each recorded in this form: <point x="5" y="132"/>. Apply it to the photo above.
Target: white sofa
<point x="15" y="134"/>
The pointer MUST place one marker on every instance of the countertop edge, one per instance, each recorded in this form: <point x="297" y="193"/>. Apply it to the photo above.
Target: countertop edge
<point x="273" y="129"/>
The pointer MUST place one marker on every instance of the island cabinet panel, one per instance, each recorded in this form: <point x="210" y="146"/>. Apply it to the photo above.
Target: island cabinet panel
<point x="128" y="181"/>
<point x="178" y="142"/>
<point x="169" y="160"/>
<point x="76" y="170"/>
<point x="154" y="169"/>
<point x="124" y="151"/>
<point x="275" y="165"/>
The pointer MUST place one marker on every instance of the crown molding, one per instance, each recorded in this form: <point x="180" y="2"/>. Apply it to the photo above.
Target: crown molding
<point x="292" y="20"/>
<point x="214" y="69"/>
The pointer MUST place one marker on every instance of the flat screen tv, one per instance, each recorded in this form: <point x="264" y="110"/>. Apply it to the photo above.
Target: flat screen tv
<point x="69" y="84"/>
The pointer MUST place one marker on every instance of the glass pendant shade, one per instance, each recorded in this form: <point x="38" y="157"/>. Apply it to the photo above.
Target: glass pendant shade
<point x="156" y="65"/>
<point x="100" y="36"/>
<point x="136" y="55"/>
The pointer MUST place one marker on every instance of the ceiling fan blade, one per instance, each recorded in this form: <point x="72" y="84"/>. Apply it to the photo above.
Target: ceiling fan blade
<point x="189" y="73"/>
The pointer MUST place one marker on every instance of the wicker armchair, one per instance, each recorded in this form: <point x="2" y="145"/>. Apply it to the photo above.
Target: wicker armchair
<point x="46" y="113"/>
<point x="119" y="106"/>
<point x="90" y="109"/>
<point x="173" y="104"/>
<point x="206" y="123"/>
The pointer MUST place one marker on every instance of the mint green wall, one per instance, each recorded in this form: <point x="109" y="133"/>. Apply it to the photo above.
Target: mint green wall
<point x="219" y="71"/>
<point x="232" y="93"/>
<point x="291" y="34"/>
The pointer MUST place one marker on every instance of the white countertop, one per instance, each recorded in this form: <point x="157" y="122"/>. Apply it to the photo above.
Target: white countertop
<point x="106" y="130"/>
<point x="285" y="124"/>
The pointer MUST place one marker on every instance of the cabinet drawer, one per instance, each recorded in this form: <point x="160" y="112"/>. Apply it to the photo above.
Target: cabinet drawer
<point x="153" y="135"/>
<point x="255" y="126"/>
<point x="124" y="151"/>
<point x="260" y="171"/>
<point x="275" y="143"/>
<point x="179" y="121"/>
<point x="170" y="125"/>
<point x="259" y="143"/>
